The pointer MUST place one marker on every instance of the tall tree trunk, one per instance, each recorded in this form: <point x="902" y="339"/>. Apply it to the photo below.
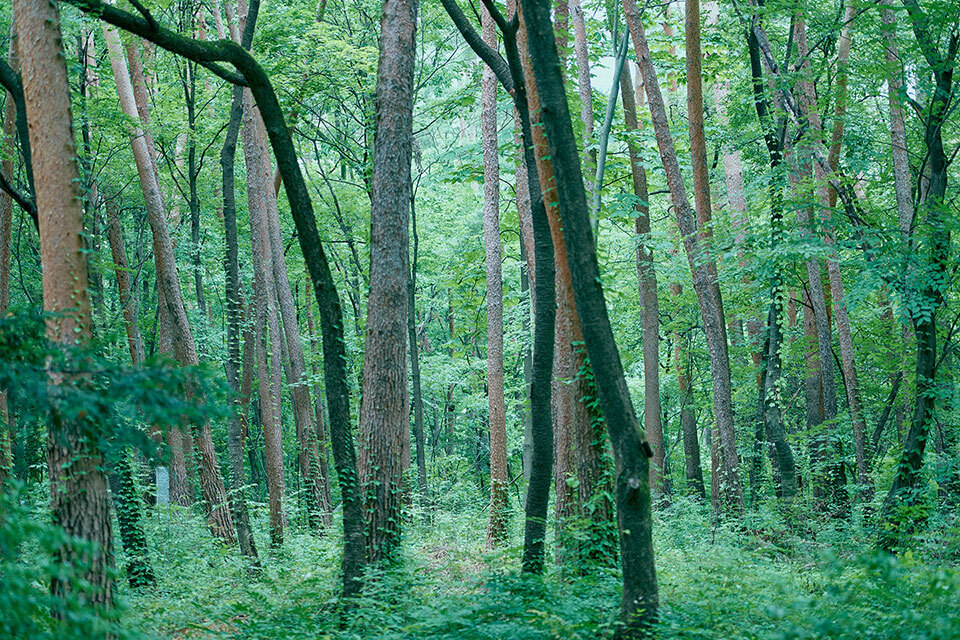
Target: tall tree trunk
<point x="383" y="414"/>
<point x="416" y="387"/>
<point x="564" y="398"/>
<point x="78" y="486"/>
<point x="497" y="526"/>
<point x="211" y="482"/>
<point x="701" y="264"/>
<point x="906" y="491"/>
<point x="898" y="131"/>
<point x="639" y="596"/>
<point x="583" y="84"/>
<point x="268" y="354"/>
<point x="650" y="305"/>
<point x="235" y="365"/>
<point x="830" y="478"/>
<point x="331" y="315"/>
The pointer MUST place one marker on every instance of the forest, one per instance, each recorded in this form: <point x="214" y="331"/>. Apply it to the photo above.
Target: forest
<point x="479" y="320"/>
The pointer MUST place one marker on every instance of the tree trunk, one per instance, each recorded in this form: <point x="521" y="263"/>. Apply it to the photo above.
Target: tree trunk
<point x="416" y="387"/>
<point x="639" y="597"/>
<point x="383" y="414"/>
<point x="78" y="486"/>
<point x="214" y="494"/>
<point x="331" y="315"/>
<point x="701" y="265"/>
<point x="268" y="323"/>
<point x="497" y="526"/>
<point x="906" y="490"/>
<point x="237" y="365"/>
<point x="650" y="305"/>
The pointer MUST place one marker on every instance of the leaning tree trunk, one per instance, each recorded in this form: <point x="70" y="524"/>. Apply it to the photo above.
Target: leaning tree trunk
<point x="331" y="315"/>
<point x="497" y="526"/>
<point x="78" y="486"/>
<point x="906" y="490"/>
<point x="211" y="483"/>
<point x="383" y="413"/>
<point x="639" y="596"/>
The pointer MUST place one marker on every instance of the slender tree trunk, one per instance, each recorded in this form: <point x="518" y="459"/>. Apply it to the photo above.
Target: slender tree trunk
<point x="583" y="84"/>
<point x="139" y="571"/>
<point x="214" y="494"/>
<point x="383" y="414"/>
<point x="78" y="486"/>
<point x="647" y="279"/>
<point x="702" y="266"/>
<point x="830" y="478"/>
<point x="328" y="300"/>
<point x="416" y="387"/>
<point x="639" y="597"/>
<point x="237" y="365"/>
<point x="497" y="526"/>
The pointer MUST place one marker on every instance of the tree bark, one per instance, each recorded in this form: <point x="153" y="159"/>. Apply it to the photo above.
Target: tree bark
<point x="78" y="486"/>
<point x="235" y="363"/>
<point x="268" y="323"/>
<point x="383" y="414"/>
<point x="906" y="491"/>
<point x="416" y="387"/>
<point x="331" y="316"/>
<point x="639" y="597"/>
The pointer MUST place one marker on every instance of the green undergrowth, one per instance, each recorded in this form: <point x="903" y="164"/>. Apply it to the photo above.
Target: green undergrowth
<point x="763" y="579"/>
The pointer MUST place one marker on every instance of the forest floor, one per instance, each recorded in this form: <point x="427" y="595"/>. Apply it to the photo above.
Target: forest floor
<point x="762" y="580"/>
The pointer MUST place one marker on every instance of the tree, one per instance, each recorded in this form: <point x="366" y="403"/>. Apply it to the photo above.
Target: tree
<point x="383" y="414"/>
<point x="78" y="486"/>
<point x="640" y="597"/>
<point x="701" y="265"/>
<point x="496" y="529"/>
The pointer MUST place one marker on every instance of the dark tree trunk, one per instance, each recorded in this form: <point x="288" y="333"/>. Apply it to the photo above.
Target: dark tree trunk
<point x="639" y="598"/>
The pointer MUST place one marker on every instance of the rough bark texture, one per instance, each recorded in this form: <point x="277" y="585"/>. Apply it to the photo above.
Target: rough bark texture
<point x="563" y="395"/>
<point x="268" y="323"/>
<point x="701" y="266"/>
<point x="497" y="526"/>
<point x="512" y="74"/>
<point x="78" y="486"/>
<point x="383" y="414"/>
<point x="211" y="483"/>
<point x="639" y="597"/>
